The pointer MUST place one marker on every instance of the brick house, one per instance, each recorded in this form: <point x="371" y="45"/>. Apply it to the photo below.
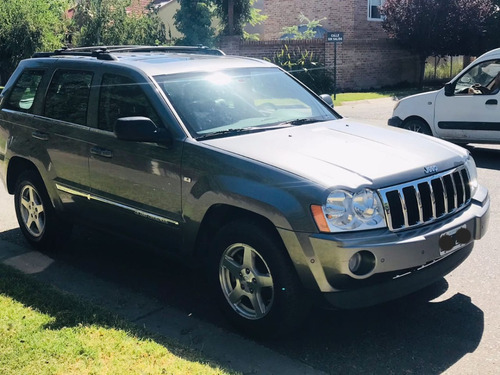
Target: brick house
<point x="366" y="59"/>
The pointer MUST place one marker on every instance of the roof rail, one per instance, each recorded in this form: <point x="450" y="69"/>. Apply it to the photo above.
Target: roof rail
<point x="99" y="53"/>
<point x="105" y="52"/>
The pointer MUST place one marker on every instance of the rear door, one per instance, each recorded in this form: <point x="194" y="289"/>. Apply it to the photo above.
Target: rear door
<point x="54" y="126"/>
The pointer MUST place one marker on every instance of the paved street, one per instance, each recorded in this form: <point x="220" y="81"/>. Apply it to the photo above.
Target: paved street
<point x="452" y="327"/>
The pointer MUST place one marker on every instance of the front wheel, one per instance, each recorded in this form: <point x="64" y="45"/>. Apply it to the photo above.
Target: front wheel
<point x="417" y="125"/>
<point x="254" y="281"/>
<point x="36" y="217"/>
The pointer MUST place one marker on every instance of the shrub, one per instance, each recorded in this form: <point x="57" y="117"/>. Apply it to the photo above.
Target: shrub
<point x="306" y="67"/>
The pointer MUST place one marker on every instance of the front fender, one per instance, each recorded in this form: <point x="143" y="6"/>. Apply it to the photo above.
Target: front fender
<point x="420" y="105"/>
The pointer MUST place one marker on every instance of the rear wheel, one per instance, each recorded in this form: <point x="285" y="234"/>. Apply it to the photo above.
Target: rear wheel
<point x="36" y="216"/>
<point x="417" y="125"/>
<point x="254" y="281"/>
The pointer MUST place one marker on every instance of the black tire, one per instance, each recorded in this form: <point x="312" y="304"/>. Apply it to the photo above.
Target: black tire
<point x="36" y="216"/>
<point x="418" y="126"/>
<point x="254" y="281"/>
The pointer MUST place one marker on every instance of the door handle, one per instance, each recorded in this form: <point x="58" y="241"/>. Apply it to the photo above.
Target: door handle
<point x="101" y="152"/>
<point x="40" y="135"/>
<point x="492" y="102"/>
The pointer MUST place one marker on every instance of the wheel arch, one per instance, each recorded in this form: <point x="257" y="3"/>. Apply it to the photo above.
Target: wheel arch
<point x="221" y="214"/>
<point x="17" y="166"/>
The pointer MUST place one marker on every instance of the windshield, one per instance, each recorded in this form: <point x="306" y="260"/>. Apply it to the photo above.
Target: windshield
<point x="231" y="101"/>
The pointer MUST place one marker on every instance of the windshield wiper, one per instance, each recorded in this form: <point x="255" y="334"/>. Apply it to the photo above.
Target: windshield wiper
<point x="302" y="121"/>
<point x="249" y="129"/>
<point x="227" y="132"/>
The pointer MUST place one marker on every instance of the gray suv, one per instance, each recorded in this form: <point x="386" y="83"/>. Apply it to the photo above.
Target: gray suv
<point x="232" y="164"/>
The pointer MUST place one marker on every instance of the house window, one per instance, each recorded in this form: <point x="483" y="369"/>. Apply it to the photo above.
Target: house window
<point x="374" y="10"/>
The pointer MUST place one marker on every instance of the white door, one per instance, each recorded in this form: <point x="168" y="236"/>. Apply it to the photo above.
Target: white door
<point x="471" y="112"/>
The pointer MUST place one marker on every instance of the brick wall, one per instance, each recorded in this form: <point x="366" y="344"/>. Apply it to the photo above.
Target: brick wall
<point x="366" y="59"/>
<point x="361" y="64"/>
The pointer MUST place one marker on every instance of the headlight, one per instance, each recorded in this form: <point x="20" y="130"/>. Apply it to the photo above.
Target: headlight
<point x="345" y="211"/>
<point x="472" y="170"/>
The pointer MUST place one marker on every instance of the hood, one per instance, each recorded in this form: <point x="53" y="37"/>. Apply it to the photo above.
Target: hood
<point x="345" y="153"/>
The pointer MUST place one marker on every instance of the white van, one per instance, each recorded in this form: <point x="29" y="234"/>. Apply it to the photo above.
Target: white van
<point x="465" y="110"/>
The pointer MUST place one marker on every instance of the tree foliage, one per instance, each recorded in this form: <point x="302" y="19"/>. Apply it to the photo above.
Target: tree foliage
<point x="98" y="22"/>
<point x="256" y="18"/>
<point x="309" y="33"/>
<point x="437" y="27"/>
<point x="194" y="20"/>
<point x="492" y="31"/>
<point x="27" y="26"/>
<point x="242" y="14"/>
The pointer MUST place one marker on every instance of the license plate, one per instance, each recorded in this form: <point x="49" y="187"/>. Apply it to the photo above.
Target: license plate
<point x="454" y="239"/>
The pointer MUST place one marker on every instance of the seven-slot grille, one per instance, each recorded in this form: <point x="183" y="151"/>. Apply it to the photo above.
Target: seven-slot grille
<point x="422" y="201"/>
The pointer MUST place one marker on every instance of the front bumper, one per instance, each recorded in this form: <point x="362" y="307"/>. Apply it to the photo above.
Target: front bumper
<point x="403" y="262"/>
<point x="395" y="121"/>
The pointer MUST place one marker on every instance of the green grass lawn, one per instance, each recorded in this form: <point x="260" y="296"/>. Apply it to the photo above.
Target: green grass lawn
<point x="44" y="331"/>
<point x="353" y="96"/>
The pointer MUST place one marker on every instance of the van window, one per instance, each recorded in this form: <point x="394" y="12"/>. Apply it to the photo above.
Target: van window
<point x="24" y="91"/>
<point x="68" y="96"/>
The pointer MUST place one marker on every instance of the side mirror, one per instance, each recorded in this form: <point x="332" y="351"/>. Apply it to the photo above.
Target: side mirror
<point x="327" y="99"/>
<point x="449" y="89"/>
<point x="140" y="129"/>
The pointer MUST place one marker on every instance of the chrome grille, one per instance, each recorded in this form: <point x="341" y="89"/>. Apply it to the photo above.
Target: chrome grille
<point x="422" y="201"/>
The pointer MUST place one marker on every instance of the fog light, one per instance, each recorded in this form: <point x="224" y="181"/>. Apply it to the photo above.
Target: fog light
<point x="355" y="262"/>
<point x="362" y="263"/>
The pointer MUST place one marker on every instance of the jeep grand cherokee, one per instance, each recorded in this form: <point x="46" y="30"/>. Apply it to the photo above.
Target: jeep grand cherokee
<point x="231" y="163"/>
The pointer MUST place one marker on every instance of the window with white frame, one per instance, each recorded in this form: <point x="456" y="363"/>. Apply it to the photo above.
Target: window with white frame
<point x="374" y="10"/>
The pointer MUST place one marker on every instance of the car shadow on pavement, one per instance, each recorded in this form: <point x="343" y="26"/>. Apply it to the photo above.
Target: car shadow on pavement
<point x="485" y="156"/>
<point x="411" y="335"/>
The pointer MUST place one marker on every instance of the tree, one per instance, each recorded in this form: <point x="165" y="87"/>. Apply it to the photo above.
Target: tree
<point x="492" y="29"/>
<point x="234" y="15"/>
<point x="194" y="20"/>
<point x="256" y="18"/>
<point x="27" y="26"/>
<point x="309" y="33"/>
<point x="436" y="27"/>
<point x="98" y="22"/>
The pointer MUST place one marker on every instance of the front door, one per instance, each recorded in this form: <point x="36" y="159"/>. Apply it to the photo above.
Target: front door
<point x="135" y="186"/>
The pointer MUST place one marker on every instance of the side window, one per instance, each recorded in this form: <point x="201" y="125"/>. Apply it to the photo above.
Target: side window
<point x="483" y="78"/>
<point x="24" y="91"/>
<point x="374" y="10"/>
<point x="68" y="96"/>
<point x="122" y="97"/>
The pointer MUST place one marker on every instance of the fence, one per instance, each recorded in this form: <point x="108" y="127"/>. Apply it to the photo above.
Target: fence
<point x="362" y="64"/>
<point x="443" y="68"/>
